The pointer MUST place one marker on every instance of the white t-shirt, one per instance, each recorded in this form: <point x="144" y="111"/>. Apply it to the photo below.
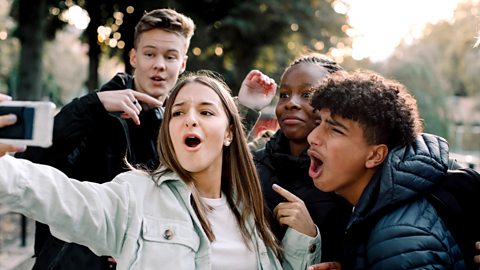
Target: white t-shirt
<point x="229" y="251"/>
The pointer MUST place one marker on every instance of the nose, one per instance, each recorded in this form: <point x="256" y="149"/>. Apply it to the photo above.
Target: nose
<point x="293" y="102"/>
<point x="315" y="136"/>
<point x="191" y="121"/>
<point x="159" y="64"/>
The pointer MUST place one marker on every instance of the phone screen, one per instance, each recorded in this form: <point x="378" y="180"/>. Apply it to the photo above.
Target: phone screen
<point x="23" y="128"/>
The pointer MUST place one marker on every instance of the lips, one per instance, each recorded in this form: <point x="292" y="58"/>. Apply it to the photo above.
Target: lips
<point x="291" y="120"/>
<point x="316" y="164"/>
<point x="192" y="141"/>
<point x="157" y="78"/>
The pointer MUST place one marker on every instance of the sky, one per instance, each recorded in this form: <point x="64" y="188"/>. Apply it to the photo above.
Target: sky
<point x="380" y="25"/>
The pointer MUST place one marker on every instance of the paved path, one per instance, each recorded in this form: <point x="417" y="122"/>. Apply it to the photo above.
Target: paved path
<point x="17" y="258"/>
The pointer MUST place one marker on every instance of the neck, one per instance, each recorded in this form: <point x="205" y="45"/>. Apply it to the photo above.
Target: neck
<point x="208" y="184"/>
<point x="296" y="148"/>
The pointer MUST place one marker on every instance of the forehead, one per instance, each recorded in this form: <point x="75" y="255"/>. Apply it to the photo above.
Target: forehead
<point x="198" y="93"/>
<point x="304" y="74"/>
<point x="160" y="38"/>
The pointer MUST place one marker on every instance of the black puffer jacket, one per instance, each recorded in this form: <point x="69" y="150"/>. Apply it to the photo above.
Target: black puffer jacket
<point x="275" y="165"/>
<point x="393" y="226"/>
<point x="90" y="144"/>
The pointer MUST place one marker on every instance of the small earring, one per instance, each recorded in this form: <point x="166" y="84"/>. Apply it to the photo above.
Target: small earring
<point x="227" y="143"/>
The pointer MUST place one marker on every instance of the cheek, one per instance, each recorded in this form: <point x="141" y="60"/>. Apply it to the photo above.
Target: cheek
<point x="279" y="109"/>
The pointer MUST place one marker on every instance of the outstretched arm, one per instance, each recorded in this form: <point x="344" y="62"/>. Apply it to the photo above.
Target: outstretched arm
<point x="87" y="213"/>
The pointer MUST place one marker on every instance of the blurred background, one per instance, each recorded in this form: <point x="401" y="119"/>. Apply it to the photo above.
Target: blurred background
<point x="59" y="50"/>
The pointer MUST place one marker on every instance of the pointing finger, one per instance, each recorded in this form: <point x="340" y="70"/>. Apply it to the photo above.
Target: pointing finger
<point x="286" y="194"/>
<point x="147" y="99"/>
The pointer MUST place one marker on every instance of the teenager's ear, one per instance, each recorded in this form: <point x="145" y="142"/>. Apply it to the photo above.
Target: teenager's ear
<point x="227" y="140"/>
<point x="376" y="156"/>
<point x="184" y="64"/>
<point x="133" y="57"/>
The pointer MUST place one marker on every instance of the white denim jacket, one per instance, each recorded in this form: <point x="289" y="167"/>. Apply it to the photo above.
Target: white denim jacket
<point x="142" y="224"/>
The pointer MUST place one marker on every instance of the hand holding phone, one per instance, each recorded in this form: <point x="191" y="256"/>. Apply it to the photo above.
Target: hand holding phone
<point x="34" y="125"/>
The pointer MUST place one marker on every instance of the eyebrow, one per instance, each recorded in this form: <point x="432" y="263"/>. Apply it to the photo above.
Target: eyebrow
<point x="309" y="85"/>
<point x="155" y="47"/>
<point x="203" y="103"/>
<point x="332" y="122"/>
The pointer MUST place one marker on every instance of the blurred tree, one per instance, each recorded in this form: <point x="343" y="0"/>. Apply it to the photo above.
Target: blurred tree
<point x="31" y="19"/>
<point x="237" y="36"/>
<point x="232" y="37"/>
<point x="440" y="64"/>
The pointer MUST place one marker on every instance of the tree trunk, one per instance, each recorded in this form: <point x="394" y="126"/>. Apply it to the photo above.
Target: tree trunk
<point x="94" y="12"/>
<point x="31" y="27"/>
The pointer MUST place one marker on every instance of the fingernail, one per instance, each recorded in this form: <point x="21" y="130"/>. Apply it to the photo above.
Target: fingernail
<point x="274" y="186"/>
<point x="12" y="118"/>
<point x="21" y="148"/>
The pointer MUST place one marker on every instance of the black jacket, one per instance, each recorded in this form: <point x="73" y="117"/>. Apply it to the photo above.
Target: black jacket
<point x="90" y="144"/>
<point x="394" y="226"/>
<point x="330" y="212"/>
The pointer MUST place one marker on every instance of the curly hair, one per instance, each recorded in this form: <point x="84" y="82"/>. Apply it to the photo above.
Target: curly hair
<point x="385" y="110"/>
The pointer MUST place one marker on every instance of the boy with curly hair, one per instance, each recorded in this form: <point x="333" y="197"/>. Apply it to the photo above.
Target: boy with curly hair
<point x="368" y="148"/>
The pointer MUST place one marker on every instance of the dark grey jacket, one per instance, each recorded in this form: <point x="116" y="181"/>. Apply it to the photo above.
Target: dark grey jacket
<point x="393" y="226"/>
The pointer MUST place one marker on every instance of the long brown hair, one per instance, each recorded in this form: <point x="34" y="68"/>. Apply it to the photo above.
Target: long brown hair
<point x="240" y="182"/>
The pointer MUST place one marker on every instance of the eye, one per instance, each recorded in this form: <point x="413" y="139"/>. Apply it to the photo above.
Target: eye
<point x="307" y="94"/>
<point x="207" y="113"/>
<point x="176" y="113"/>
<point x="337" y="131"/>
<point x="148" y="54"/>
<point x="171" y="57"/>
<point x="284" y="95"/>
<point x="318" y="122"/>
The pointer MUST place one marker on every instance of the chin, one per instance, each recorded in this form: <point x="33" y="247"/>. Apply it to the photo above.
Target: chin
<point x="321" y="186"/>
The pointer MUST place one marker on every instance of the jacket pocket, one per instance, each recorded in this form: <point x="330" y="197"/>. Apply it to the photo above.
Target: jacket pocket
<point x="170" y="231"/>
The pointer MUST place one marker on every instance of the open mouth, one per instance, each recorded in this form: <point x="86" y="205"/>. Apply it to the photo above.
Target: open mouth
<point x="157" y="78"/>
<point x="316" y="165"/>
<point x="192" y="141"/>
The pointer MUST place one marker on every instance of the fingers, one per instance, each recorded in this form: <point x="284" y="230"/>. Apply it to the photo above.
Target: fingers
<point x="153" y="102"/>
<point x="4" y="97"/>
<point x="325" y="266"/>
<point x="476" y="259"/>
<point x="123" y="101"/>
<point x="6" y="148"/>
<point x="285" y="193"/>
<point x="7" y="120"/>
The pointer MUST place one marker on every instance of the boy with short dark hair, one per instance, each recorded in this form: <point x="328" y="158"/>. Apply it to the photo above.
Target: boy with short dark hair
<point x="367" y="148"/>
<point x="94" y="134"/>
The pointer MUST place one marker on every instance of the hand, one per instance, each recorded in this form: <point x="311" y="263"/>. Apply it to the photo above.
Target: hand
<point x="6" y="120"/>
<point x="257" y="90"/>
<point x="126" y="102"/>
<point x="326" y="266"/>
<point x="293" y="213"/>
<point x="476" y="259"/>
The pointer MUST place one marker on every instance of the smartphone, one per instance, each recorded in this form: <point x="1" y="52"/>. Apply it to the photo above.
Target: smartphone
<point x="34" y="126"/>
